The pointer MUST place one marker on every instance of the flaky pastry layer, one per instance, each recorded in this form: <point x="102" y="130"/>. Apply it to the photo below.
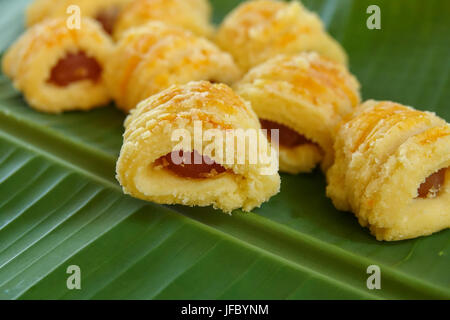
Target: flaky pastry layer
<point x="384" y="153"/>
<point x="307" y="93"/>
<point x="258" y="30"/>
<point x="29" y="61"/>
<point x="148" y="137"/>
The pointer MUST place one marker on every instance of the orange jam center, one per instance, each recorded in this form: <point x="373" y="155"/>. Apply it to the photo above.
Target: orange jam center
<point x="432" y="184"/>
<point x="193" y="165"/>
<point x="287" y="137"/>
<point x="107" y="18"/>
<point x="75" y="67"/>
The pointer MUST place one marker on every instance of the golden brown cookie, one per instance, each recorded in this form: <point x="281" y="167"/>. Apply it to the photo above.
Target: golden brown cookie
<point x="258" y="30"/>
<point x="104" y="11"/>
<point x="305" y="97"/>
<point x="152" y="57"/>
<point x="147" y="169"/>
<point x="391" y="170"/>
<point x="193" y="15"/>
<point x="60" y="69"/>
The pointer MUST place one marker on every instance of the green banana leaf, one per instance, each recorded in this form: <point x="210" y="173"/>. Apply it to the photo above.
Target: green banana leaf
<point x="60" y="204"/>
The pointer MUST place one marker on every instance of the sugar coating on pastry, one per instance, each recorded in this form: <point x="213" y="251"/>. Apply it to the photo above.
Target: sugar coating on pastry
<point x="392" y="170"/>
<point x="155" y="56"/>
<point x="143" y="168"/>
<point x="258" y="30"/>
<point x="193" y="15"/>
<point x="309" y="95"/>
<point x="104" y="11"/>
<point x="60" y="69"/>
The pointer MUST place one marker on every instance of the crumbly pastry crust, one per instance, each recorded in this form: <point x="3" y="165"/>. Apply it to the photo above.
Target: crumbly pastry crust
<point x="147" y="137"/>
<point x="155" y="56"/>
<point x="384" y="152"/>
<point x="258" y="30"/>
<point x="193" y="15"/>
<point x="29" y="61"/>
<point x="40" y="10"/>
<point x="307" y="93"/>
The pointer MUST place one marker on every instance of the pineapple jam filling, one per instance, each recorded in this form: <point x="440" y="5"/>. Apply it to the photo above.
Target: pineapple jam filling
<point x="75" y="67"/>
<point x="188" y="168"/>
<point x="287" y="137"/>
<point x="432" y="185"/>
<point x="107" y="18"/>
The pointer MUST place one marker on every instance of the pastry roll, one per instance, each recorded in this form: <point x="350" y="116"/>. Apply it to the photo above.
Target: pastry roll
<point x="104" y="11"/>
<point x="147" y="169"/>
<point x="193" y="15"/>
<point x="60" y="69"/>
<point x="304" y="96"/>
<point x="391" y="170"/>
<point x="152" y="57"/>
<point x="258" y="30"/>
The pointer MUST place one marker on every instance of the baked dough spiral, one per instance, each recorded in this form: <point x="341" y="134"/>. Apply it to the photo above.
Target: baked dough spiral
<point x="193" y="15"/>
<point x="305" y="97"/>
<point x="143" y="168"/>
<point x="391" y="170"/>
<point x="104" y="11"/>
<point x="152" y="57"/>
<point x="258" y="30"/>
<point x="60" y="69"/>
